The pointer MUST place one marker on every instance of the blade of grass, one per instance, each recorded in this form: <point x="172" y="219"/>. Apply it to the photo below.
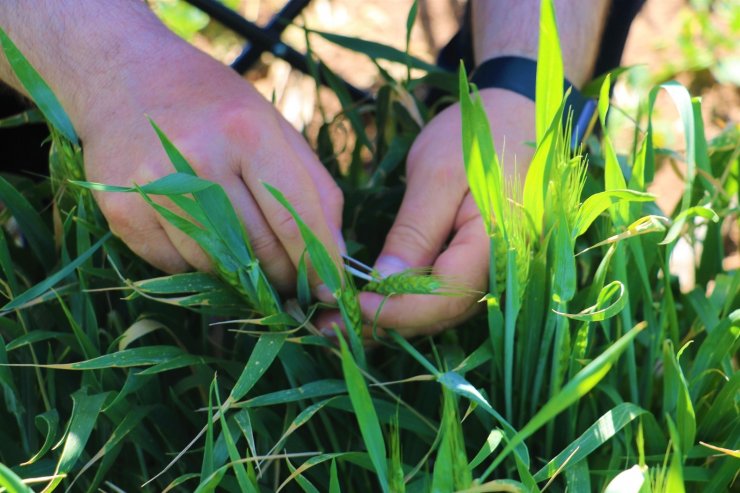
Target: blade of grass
<point x="45" y="285"/>
<point x="549" y="84"/>
<point x="583" y="382"/>
<point x="39" y="237"/>
<point x="596" y="435"/>
<point x="85" y="412"/>
<point x="38" y="89"/>
<point x="367" y="418"/>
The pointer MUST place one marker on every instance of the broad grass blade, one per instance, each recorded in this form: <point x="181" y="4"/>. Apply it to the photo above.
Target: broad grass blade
<point x="582" y="383"/>
<point x="245" y="483"/>
<point x="320" y="258"/>
<point x="676" y="398"/>
<point x="127" y="425"/>
<point x="38" y="89"/>
<point x="11" y="482"/>
<point x="264" y="353"/>
<point x="144" y="356"/>
<point x="367" y="418"/>
<point x="50" y="421"/>
<point x="550" y="77"/>
<point x="39" y="237"/>
<point x="597" y="203"/>
<point x="85" y="412"/>
<point x="377" y="51"/>
<point x="311" y="390"/>
<point x="596" y="435"/>
<point x="483" y="170"/>
<point x="595" y="313"/>
<point x="41" y="288"/>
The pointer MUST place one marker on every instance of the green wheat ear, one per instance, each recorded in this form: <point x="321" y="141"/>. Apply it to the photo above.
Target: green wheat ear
<point x="414" y="281"/>
<point x="351" y="307"/>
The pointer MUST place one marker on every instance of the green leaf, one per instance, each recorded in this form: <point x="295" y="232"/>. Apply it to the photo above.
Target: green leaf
<point x="451" y="470"/>
<point x="264" y="353"/>
<point x="245" y="483"/>
<point x="483" y="170"/>
<point x="596" y="435"/>
<point x="676" y="398"/>
<point x="580" y="385"/>
<point x="367" y="418"/>
<point x="550" y="76"/>
<point x="613" y="176"/>
<point x="37" y="89"/>
<point x="143" y="356"/>
<point x="85" y="412"/>
<point x="311" y="390"/>
<point x="685" y="215"/>
<point x="675" y="474"/>
<point x="41" y="288"/>
<point x="564" y="274"/>
<point x="320" y="258"/>
<point x="11" y="482"/>
<point x="595" y="313"/>
<point x="25" y="118"/>
<point x="223" y="221"/>
<point x="50" y="422"/>
<point x="491" y="444"/>
<point x="377" y="51"/>
<point x="187" y="282"/>
<point x="597" y="203"/>
<point x="127" y="425"/>
<point x="39" y="237"/>
<point x="334" y="478"/>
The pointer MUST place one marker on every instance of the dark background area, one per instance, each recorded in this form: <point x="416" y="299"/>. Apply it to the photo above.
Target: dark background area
<point x="24" y="149"/>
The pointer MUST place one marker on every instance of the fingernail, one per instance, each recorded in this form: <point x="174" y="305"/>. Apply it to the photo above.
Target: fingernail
<point x="390" y="264"/>
<point x="323" y="293"/>
<point x="339" y="238"/>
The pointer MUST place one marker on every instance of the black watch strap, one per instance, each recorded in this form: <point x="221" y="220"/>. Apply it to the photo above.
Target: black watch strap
<point x="519" y="74"/>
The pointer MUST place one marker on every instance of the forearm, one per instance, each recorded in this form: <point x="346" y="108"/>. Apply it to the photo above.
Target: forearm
<point x="511" y="28"/>
<point x="84" y="48"/>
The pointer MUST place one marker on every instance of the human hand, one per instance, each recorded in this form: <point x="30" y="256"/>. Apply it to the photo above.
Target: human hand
<point x="439" y="224"/>
<point x="230" y="135"/>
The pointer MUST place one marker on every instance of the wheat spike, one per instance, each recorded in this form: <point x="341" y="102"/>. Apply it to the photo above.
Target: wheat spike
<point x="350" y="308"/>
<point x="406" y="282"/>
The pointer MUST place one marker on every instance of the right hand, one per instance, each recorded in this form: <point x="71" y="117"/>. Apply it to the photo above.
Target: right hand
<point x="231" y="135"/>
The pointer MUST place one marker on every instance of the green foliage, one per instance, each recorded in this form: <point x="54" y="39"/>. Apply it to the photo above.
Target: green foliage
<point x="589" y="371"/>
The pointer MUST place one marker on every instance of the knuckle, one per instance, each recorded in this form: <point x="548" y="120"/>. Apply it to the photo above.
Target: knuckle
<point x="117" y="210"/>
<point x="286" y="227"/>
<point x="409" y="235"/>
<point x="265" y="245"/>
<point x="238" y="126"/>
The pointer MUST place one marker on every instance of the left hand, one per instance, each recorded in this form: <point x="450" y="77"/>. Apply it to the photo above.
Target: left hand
<point x="438" y="207"/>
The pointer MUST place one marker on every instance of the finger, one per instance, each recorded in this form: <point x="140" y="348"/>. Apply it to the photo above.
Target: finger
<point x="332" y="204"/>
<point x="133" y="220"/>
<point x="467" y="258"/>
<point x="284" y="171"/>
<point x="327" y="319"/>
<point x="273" y="258"/>
<point x="427" y="214"/>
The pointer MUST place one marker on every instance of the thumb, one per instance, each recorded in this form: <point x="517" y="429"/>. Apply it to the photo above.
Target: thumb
<point x="424" y="221"/>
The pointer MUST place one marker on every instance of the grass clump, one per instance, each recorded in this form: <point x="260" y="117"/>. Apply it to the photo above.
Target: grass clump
<point x="590" y="369"/>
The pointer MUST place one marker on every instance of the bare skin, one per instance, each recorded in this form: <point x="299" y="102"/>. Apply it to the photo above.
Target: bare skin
<point x="111" y="61"/>
<point x="437" y="207"/>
